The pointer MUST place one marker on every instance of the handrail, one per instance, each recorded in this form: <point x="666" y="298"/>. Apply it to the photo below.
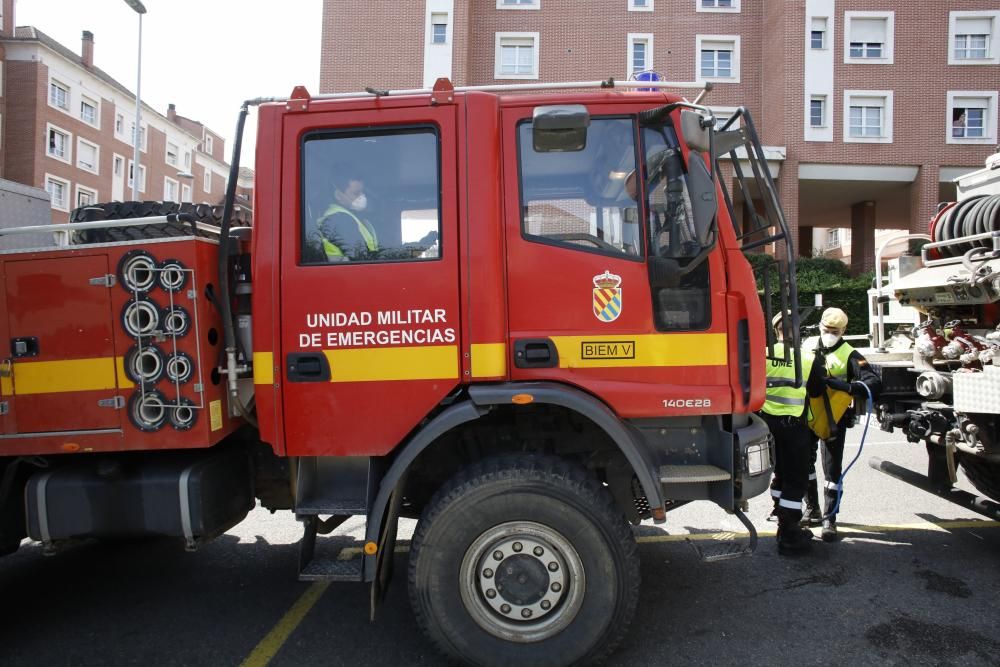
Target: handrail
<point x="514" y="87"/>
<point x="994" y="235"/>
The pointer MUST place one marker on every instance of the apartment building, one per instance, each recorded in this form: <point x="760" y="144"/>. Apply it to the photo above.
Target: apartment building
<point x="868" y="109"/>
<point x="68" y="127"/>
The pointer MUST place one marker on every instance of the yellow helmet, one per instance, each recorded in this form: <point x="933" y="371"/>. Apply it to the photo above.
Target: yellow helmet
<point x="834" y="318"/>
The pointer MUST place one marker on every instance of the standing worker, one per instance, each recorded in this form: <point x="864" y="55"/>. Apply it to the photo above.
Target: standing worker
<point x="848" y="372"/>
<point x="784" y="411"/>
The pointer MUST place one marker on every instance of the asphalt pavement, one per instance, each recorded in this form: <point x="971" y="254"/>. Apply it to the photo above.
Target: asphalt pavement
<point x="915" y="580"/>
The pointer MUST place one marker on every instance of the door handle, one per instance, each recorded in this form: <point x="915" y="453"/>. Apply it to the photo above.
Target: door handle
<point x="535" y="353"/>
<point x="308" y="367"/>
<point x="24" y="347"/>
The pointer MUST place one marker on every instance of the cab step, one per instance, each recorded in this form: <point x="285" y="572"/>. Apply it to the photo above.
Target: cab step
<point x="326" y="563"/>
<point x="727" y="549"/>
<point x="333" y="569"/>
<point x="692" y="474"/>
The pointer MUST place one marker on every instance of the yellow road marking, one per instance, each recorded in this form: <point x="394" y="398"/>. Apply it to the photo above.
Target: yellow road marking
<point x="276" y="638"/>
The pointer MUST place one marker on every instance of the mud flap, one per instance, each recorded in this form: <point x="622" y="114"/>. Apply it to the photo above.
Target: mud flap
<point x="385" y="556"/>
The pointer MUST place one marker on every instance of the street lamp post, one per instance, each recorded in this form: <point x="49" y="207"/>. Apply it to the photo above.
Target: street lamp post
<point x="140" y="9"/>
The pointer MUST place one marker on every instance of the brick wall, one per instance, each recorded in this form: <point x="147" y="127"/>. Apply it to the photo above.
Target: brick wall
<point x="378" y="44"/>
<point x="24" y="133"/>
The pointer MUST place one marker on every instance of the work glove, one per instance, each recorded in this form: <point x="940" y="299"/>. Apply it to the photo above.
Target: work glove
<point x="859" y="389"/>
<point x="838" y="384"/>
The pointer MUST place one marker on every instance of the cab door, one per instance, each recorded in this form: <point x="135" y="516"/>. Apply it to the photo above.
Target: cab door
<point x="369" y="326"/>
<point x="583" y="309"/>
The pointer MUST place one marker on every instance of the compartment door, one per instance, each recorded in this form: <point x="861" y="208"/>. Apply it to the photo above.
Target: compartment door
<point x="59" y="347"/>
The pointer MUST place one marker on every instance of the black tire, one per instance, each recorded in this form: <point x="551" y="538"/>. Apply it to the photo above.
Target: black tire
<point x="984" y="475"/>
<point x="560" y="540"/>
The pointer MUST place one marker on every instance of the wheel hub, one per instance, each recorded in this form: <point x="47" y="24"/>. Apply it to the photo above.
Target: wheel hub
<point x="522" y="581"/>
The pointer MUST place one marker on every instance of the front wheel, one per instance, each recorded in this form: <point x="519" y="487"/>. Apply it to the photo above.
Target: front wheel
<point x="524" y="560"/>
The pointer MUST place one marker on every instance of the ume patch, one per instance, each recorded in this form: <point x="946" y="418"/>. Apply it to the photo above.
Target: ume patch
<point x="613" y="349"/>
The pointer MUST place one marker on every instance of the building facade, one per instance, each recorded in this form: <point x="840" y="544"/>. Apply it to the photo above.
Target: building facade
<point x="868" y="108"/>
<point x="68" y="127"/>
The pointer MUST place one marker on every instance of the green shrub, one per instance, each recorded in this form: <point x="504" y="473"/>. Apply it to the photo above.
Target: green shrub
<point x="820" y="275"/>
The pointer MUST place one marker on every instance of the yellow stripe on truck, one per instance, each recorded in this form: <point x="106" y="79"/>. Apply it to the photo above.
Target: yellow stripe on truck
<point x="372" y="364"/>
<point x="263" y="368"/>
<point x="58" y="377"/>
<point x="647" y="350"/>
<point x="489" y="360"/>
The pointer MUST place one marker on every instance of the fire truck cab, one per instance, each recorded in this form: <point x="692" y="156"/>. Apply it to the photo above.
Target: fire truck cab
<point x="524" y="319"/>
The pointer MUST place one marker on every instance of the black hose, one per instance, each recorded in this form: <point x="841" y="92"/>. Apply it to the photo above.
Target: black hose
<point x="225" y="302"/>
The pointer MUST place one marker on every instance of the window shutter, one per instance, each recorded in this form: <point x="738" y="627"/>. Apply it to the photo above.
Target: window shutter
<point x="974" y="26"/>
<point x="868" y="30"/>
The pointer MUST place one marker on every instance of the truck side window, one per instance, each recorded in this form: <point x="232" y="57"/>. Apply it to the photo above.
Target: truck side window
<point x="370" y="196"/>
<point x="585" y="199"/>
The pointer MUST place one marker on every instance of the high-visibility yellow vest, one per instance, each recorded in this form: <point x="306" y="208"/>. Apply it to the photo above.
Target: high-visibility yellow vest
<point x="838" y="401"/>
<point x="331" y="249"/>
<point x="836" y="361"/>
<point x="786" y="401"/>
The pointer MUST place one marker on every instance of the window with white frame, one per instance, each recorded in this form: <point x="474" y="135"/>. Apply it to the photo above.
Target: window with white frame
<point x="974" y="38"/>
<point x="87" y="155"/>
<point x="172" y="151"/>
<point x="88" y="111"/>
<point x="170" y="187"/>
<point x="142" y="175"/>
<point x="817" y="111"/>
<point x="972" y="117"/>
<point x="85" y="196"/>
<point x="640" y="5"/>
<point x="142" y="137"/>
<point x="833" y="238"/>
<point x="117" y="164"/>
<point x="207" y="181"/>
<point x="718" y="58"/>
<point x="717" y="5"/>
<point x="209" y="144"/>
<point x="516" y="55"/>
<point x="59" y="95"/>
<point x="439" y="28"/>
<point x="868" y="37"/>
<point x="185" y="192"/>
<point x="640" y="52"/>
<point x="868" y="116"/>
<point x="58" y="189"/>
<point x="187" y="159"/>
<point x="817" y="33"/>
<point x="58" y="143"/>
<point x="518" y="4"/>
<point x="120" y="124"/>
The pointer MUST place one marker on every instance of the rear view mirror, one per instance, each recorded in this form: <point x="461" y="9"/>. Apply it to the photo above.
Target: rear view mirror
<point x="704" y="203"/>
<point x="560" y="128"/>
<point x="695" y="130"/>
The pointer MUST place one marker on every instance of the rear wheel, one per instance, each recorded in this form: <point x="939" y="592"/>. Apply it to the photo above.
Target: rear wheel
<point x="524" y="560"/>
<point x="984" y="475"/>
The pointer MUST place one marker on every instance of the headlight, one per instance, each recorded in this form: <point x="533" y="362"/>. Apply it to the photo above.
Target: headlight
<point x="758" y="457"/>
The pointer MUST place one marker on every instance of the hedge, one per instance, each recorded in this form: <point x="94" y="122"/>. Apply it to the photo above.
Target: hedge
<point x="820" y="275"/>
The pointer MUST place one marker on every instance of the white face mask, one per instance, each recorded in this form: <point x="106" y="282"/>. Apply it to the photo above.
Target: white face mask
<point x="829" y="340"/>
<point x="360" y="202"/>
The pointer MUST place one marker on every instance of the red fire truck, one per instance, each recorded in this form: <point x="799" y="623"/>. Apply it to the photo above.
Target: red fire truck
<point x="522" y="316"/>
